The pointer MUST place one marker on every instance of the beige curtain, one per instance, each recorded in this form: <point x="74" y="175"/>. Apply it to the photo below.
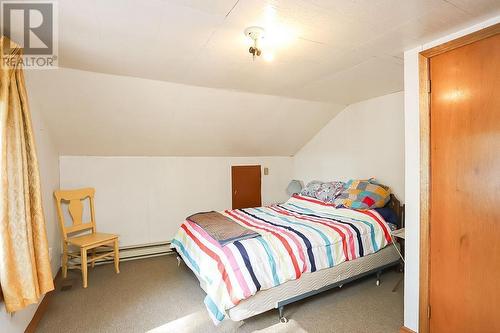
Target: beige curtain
<point x="24" y="260"/>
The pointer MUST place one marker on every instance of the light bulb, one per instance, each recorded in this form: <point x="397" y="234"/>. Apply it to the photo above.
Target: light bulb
<point x="268" y="56"/>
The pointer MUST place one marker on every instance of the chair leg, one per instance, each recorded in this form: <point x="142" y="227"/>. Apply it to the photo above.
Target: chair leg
<point x="92" y="264"/>
<point x="83" y="253"/>
<point x="117" y="257"/>
<point x="65" y="261"/>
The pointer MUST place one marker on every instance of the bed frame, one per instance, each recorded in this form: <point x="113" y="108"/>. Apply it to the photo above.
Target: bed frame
<point x="280" y="304"/>
<point x="399" y="209"/>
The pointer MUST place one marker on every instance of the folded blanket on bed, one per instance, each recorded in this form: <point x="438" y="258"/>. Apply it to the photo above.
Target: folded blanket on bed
<point x="221" y="228"/>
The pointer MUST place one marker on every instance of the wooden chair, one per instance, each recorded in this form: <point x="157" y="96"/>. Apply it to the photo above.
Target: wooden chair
<point x="85" y="242"/>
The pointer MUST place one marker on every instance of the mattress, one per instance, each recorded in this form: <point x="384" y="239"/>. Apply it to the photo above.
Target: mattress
<point x="265" y="300"/>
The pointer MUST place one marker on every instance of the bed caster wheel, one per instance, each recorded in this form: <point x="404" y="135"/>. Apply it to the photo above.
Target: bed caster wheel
<point x="377" y="283"/>
<point x="340" y="286"/>
<point x="281" y="317"/>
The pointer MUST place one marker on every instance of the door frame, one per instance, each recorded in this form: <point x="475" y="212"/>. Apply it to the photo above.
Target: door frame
<point x="424" y="110"/>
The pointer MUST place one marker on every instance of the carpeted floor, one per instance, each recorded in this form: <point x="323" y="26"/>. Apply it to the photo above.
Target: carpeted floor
<point x="155" y="295"/>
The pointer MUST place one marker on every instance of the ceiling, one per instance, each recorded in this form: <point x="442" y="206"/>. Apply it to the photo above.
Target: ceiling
<point x="340" y="51"/>
<point x="138" y="77"/>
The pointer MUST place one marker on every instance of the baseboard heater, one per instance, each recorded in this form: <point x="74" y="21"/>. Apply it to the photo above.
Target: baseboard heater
<point x="139" y="252"/>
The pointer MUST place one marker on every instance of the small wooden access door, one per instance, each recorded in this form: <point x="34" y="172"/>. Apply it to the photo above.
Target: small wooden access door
<point x="464" y="251"/>
<point x="246" y="186"/>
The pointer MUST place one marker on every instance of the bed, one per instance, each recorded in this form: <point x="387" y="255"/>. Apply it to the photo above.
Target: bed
<point x="300" y="248"/>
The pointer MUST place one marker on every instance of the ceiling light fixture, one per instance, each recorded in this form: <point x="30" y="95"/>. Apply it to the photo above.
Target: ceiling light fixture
<point x="268" y="56"/>
<point x="256" y="34"/>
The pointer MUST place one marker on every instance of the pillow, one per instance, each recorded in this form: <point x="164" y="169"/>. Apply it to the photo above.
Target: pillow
<point x="389" y="215"/>
<point x="329" y="191"/>
<point x="326" y="192"/>
<point x="311" y="189"/>
<point x="364" y="194"/>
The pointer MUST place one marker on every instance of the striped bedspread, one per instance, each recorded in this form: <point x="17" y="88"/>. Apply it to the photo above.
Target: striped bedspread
<point x="301" y="235"/>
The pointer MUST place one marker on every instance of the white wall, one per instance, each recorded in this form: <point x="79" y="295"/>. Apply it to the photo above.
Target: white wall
<point x="364" y="140"/>
<point x="48" y="159"/>
<point x="412" y="171"/>
<point x="145" y="199"/>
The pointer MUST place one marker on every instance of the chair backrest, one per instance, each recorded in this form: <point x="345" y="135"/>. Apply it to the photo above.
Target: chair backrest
<point x="75" y="208"/>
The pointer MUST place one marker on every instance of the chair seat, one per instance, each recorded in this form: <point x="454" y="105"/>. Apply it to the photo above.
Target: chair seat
<point x="92" y="239"/>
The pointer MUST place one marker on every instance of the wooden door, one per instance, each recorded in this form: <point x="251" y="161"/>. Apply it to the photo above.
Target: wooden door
<point x="246" y="182"/>
<point x="464" y="270"/>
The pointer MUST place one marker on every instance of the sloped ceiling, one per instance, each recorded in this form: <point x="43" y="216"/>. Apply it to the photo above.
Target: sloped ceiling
<point x="327" y="54"/>
<point x="100" y="114"/>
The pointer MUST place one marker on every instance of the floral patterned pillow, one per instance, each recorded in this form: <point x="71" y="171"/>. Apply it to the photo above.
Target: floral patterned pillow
<point x="329" y="191"/>
<point x="311" y="189"/>
<point x="326" y="192"/>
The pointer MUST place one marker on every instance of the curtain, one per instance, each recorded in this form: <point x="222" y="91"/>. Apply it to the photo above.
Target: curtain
<point x="25" y="272"/>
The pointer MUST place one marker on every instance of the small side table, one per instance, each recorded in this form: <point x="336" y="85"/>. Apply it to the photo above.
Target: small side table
<point x="400" y="235"/>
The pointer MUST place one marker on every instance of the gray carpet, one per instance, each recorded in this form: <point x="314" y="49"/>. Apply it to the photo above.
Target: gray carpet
<point x="156" y="295"/>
